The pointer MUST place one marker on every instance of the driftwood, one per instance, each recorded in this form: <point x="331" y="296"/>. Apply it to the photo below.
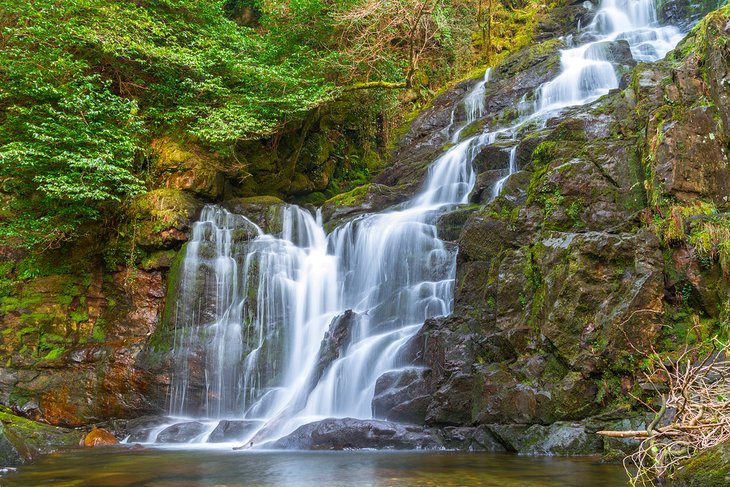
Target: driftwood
<point x="698" y="407"/>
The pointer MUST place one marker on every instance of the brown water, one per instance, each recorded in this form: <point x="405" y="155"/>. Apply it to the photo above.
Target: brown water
<point x="116" y="467"/>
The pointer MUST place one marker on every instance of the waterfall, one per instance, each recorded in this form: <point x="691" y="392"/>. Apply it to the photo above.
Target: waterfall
<point x="587" y="73"/>
<point x="297" y="325"/>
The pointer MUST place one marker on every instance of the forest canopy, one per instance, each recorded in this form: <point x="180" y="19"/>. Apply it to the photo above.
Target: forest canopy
<point x="85" y="84"/>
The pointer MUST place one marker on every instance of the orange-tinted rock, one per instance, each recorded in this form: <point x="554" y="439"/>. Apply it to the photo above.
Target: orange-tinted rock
<point x="99" y="437"/>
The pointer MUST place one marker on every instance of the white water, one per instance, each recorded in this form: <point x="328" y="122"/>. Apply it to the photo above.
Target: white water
<point x="259" y="306"/>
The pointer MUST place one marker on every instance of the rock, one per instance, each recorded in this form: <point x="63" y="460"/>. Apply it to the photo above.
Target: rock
<point x="470" y="439"/>
<point x="335" y="341"/>
<point x="181" y="432"/>
<point x="363" y="199"/>
<point x="99" y="437"/>
<point x="264" y="211"/>
<point x="709" y="468"/>
<point x="187" y="167"/>
<point x="230" y="430"/>
<point x="402" y="395"/>
<point x="449" y="224"/>
<point x="555" y="439"/>
<point x="140" y="428"/>
<point x="22" y="440"/>
<point x="691" y="160"/>
<point x="683" y="12"/>
<point x="615" y="52"/>
<point x="165" y="217"/>
<point x="357" y="434"/>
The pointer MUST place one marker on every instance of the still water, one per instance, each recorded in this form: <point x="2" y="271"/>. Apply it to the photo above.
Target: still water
<point x="116" y="467"/>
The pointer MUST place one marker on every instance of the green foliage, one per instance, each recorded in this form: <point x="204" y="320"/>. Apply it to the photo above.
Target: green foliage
<point x="83" y="82"/>
<point x="84" y="85"/>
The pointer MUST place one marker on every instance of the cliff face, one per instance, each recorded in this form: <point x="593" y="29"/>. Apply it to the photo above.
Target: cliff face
<point x="603" y="247"/>
<point x="596" y="251"/>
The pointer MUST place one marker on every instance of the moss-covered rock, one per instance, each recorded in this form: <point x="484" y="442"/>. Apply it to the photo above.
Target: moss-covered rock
<point x="161" y="219"/>
<point x="363" y="199"/>
<point x="187" y="167"/>
<point x="264" y="211"/>
<point x="711" y="468"/>
<point x="22" y="440"/>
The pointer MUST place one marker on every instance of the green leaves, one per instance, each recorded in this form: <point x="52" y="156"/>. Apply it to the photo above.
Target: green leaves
<point x="84" y="82"/>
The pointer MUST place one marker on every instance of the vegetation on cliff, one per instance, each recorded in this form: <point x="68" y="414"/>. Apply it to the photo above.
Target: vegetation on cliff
<point x="86" y="84"/>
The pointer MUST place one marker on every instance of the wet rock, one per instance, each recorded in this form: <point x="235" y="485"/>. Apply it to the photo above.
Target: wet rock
<point x="232" y="430"/>
<point x="555" y="439"/>
<point x="449" y="224"/>
<point x="356" y="434"/>
<point x="22" y="440"/>
<point x="140" y="428"/>
<point x="181" y="432"/>
<point x="615" y="52"/>
<point x="165" y="217"/>
<point x="335" y="341"/>
<point x="402" y="395"/>
<point x="264" y="211"/>
<point x="470" y="439"/>
<point x="683" y="12"/>
<point x="363" y="199"/>
<point x="99" y="437"/>
<point x="707" y="468"/>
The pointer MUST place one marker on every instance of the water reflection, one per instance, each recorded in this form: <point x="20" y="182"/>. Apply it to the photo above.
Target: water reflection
<point x="167" y="468"/>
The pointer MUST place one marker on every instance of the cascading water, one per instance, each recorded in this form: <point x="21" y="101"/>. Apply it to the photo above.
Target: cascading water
<point x="258" y="306"/>
<point x="588" y="72"/>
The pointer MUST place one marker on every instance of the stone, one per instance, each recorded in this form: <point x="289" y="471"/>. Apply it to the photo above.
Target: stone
<point x="402" y="395"/>
<point x="23" y="440"/>
<point x="232" y="430"/>
<point x="357" y="434"/>
<point x="264" y="211"/>
<point x="185" y="166"/>
<point x="99" y="437"/>
<point x="690" y="159"/>
<point x="708" y="468"/>
<point x="470" y="439"/>
<point x="369" y="198"/>
<point x="181" y="432"/>
<point x="556" y="439"/>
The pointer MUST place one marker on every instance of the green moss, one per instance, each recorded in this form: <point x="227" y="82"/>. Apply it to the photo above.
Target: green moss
<point x="98" y="333"/>
<point x="54" y="353"/>
<point x="352" y="198"/>
<point x="710" y="468"/>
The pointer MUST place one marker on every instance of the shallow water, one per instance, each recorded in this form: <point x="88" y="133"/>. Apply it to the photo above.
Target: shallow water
<point x="116" y="467"/>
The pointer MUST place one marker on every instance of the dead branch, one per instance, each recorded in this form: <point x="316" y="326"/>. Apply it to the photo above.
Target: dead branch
<point x="699" y="396"/>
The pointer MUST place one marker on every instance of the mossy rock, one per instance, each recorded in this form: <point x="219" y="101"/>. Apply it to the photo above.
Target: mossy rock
<point x="264" y="211"/>
<point x="184" y="166"/>
<point x="23" y="440"/>
<point x="162" y="218"/>
<point x="710" y="468"/>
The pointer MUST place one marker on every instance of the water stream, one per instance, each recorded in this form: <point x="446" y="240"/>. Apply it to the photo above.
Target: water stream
<point x="258" y="305"/>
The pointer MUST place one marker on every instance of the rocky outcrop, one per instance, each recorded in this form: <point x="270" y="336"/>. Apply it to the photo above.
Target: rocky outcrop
<point x="22" y="440"/>
<point x="402" y="395"/>
<point x="565" y="279"/>
<point x="356" y="434"/>
<point x="710" y="468"/>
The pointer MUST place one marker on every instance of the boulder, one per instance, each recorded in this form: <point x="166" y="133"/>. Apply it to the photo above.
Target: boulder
<point x="402" y="395"/>
<point x="556" y="439"/>
<point x="232" y="430"/>
<point x="181" y="432"/>
<point x="99" y="437"/>
<point x="357" y="434"/>
<point x="187" y="167"/>
<point x="22" y="440"/>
